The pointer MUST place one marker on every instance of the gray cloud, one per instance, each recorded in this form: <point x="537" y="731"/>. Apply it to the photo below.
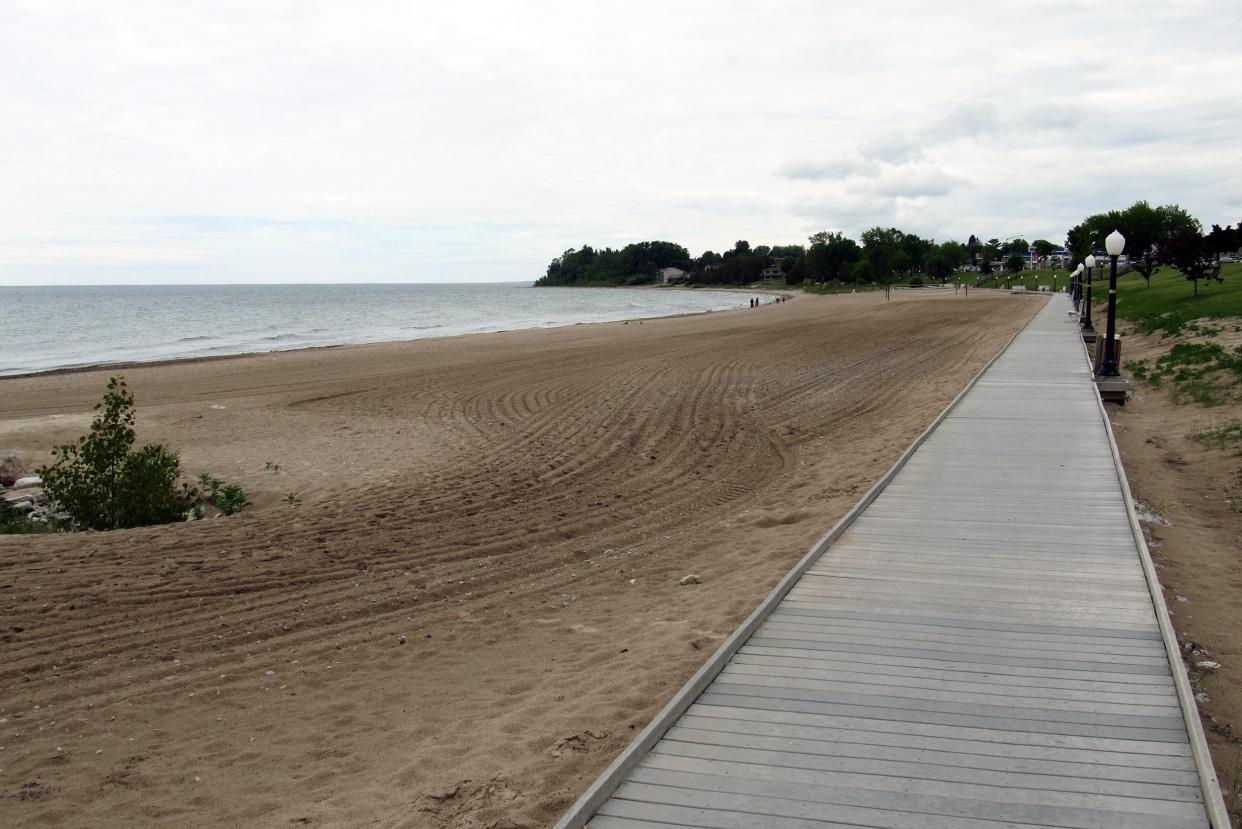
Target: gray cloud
<point x="918" y="182"/>
<point x="832" y="170"/>
<point x="973" y="120"/>
<point x="891" y="149"/>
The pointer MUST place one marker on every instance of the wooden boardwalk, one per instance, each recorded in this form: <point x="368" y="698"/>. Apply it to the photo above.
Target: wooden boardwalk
<point x="977" y="644"/>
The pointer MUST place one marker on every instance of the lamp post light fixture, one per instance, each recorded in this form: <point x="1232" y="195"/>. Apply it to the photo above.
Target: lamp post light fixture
<point x="1114" y="244"/>
<point x="1076" y="290"/>
<point x="1088" y="330"/>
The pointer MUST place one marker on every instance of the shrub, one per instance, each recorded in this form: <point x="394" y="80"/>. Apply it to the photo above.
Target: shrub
<point x="231" y="499"/>
<point x="102" y="485"/>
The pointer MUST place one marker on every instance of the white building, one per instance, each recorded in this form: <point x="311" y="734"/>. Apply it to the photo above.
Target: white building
<point x="668" y="275"/>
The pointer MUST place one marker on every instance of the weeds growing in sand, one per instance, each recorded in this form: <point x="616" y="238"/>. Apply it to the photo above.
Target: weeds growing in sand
<point x="271" y="467"/>
<point x="1206" y="373"/>
<point x="232" y="499"/>
<point x="228" y="498"/>
<point x="13" y="522"/>
<point x="292" y="499"/>
<point x="210" y="485"/>
<point x="1226" y="436"/>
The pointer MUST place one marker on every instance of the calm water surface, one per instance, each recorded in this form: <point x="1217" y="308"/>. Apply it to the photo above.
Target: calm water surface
<point x="63" y="327"/>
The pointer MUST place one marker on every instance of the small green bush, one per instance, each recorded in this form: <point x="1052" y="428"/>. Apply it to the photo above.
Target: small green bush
<point x="231" y="499"/>
<point x="103" y="485"/>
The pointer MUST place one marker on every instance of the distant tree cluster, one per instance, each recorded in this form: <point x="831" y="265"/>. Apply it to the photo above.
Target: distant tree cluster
<point x="636" y="264"/>
<point x="1157" y="236"/>
<point x="884" y="255"/>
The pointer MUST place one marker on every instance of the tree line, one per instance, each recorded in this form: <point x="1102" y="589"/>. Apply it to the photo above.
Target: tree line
<point x="1158" y="236"/>
<point x="1155" y="236"/>
<point x="880" y="255"/>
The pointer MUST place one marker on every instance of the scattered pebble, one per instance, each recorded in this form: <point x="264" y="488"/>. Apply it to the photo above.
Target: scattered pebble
<point x="1182" y="598"/>
<point x="401" y="640"/>
<point x="1207" y="665"/>
<point x="270" y="673"/>
<point x="693" y="578"/>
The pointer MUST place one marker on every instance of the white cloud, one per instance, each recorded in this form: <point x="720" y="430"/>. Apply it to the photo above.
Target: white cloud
<point x="476" y="140"/>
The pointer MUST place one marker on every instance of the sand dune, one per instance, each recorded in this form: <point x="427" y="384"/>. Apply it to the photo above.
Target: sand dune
<point x="518" y="506"/>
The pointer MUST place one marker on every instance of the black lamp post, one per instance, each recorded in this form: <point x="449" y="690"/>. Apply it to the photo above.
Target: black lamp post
<point x="1076" y="291"/>
<point x="1088" y="330"/>
<point x="1114" y="244"/>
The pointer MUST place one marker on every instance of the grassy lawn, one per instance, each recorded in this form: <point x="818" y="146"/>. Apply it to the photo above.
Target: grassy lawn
<point x="1032" y="280"/>
<point x="1198" y="368"/>
<point x="1170" y="304"/>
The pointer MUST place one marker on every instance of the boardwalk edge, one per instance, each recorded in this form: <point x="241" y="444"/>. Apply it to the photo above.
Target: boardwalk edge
<point x="585" y="806"/>
<point x="1213" y="800"/>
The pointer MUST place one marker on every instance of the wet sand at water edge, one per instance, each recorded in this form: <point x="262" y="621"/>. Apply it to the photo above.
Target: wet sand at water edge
<point x="519" y="506"/>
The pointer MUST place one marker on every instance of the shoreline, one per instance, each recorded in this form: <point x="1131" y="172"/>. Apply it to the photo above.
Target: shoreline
<point x="207" y="358"/>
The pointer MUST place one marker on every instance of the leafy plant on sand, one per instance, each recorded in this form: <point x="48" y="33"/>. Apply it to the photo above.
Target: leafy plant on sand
<point x="231" y="499"/>
<point x="102" y="483"/>
<point x="1202" y="372"/>
<point x="292" y="499"/>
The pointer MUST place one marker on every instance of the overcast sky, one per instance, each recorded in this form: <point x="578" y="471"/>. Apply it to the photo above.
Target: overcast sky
<point x="178" y="142"/>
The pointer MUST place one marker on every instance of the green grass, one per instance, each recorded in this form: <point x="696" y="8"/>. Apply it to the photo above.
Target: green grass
<point x="1169" y="305"/>
<point x="1226" y="436"/>
<point x="13" y="522"/>
<point x="1032" y="280"/>
<point x="1206" y="373"/>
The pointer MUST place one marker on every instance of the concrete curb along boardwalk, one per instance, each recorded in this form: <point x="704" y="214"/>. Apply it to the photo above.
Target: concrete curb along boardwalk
<point x="982" y="646"/>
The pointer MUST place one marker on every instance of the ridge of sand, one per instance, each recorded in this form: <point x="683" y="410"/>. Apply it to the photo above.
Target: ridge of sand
<point x="519" y="506"/>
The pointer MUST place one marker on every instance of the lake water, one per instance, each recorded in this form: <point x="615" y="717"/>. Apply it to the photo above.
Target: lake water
<point x="61" y="327"/>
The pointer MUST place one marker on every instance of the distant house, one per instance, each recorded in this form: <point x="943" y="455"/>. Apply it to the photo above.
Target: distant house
<point x="772" y="272"/>
<point x="669" y="275"/>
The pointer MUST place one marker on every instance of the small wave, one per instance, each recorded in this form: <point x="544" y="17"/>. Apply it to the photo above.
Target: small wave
<point x="194" y="339"/>
<point x="282" y="338"/>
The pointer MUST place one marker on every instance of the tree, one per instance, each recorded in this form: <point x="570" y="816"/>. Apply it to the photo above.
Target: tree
<point x="973" y="248"/>
<point x="944" y="259"/>
<point x="1015" y="263"/>
<point x="102" y="485"/>
<point x="1188" y="251"/>
<point x="1224" y="240"/>
<point x="988" y="254"/>
<point x="884" y="253"/>
<point x="1144" y="229"/>
<point x="828" y="255"/>
<point x="1043" y="248"/>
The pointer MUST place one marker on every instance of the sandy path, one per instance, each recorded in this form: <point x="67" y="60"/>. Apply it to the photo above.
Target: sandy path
<point x="520" y="506"/>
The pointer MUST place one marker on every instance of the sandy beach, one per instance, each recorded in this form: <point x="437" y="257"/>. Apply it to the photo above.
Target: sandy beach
<point x="476" y="603"/>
